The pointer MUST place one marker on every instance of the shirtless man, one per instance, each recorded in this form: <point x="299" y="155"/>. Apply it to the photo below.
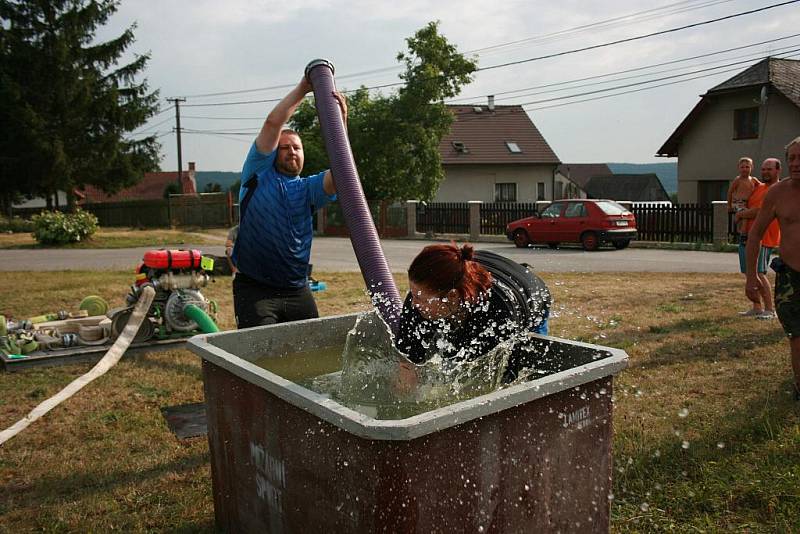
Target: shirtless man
<point x="782" y="202"/>
<point x="740" y="190"/>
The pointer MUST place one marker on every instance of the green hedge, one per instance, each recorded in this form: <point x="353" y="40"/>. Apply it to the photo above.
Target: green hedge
<point x="15" y="225"/>
<point x="56" y="228"/>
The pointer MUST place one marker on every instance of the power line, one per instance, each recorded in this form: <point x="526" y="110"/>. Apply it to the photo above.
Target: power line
<point x="638" y="90"/>
<point x="153" y="127"/>
<point x="635" y="69"/>
<point x="786" y="50"/>
<point x="673" y="76"/>
<point x="628" y="19"/>
<point x="790" y="54"/>
<point x="637" y="38"/>
<point x="248" y="141"/>
<point x="556" y="84"/>
<point x="608" y="23"/>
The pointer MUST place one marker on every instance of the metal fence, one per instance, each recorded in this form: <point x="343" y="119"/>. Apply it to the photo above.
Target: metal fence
<point x="206" y="210"/>
<point x="684" y="223"/>
<point x="496" y="215"/>
<point x="443" y="217"/>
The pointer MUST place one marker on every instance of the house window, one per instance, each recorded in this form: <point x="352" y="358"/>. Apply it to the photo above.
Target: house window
<point x="710" y="190"/>
<point x="540" y="191"/>
<point x="460" y="147"/>
<point x="505" y="192"/>
<point x="513" y="147"/>
<point x="559" y="190"/>
<point x="745" y="123"/>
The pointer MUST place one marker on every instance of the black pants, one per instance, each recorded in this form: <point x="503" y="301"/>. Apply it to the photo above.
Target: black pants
<point x="256" y="304"/>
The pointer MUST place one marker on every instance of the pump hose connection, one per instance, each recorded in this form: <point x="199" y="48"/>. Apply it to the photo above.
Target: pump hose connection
<point x="363" y="234"/>
<point x="109" y="360"/>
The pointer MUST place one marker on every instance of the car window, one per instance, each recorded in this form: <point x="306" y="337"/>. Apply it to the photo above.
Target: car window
<point x="553" y="210"/>
<point x="611" y="208"/>
<point x="575" y="209"/>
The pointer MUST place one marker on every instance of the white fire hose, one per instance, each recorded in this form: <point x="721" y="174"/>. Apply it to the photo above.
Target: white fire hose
<point x="109" y="360"/>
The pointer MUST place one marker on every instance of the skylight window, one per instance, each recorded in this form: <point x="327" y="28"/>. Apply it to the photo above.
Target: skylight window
<point x="513" y="147"/>
<point x="460" y="147"/>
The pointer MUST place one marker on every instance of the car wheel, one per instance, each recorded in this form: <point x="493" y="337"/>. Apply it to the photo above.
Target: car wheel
<point x="521" y="239"/>
<point x="590" y="241"/>
<point x="619" y="245"/>
<point x="553" y="245"/>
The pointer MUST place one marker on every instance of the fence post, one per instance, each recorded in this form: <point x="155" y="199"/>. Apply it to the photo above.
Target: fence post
<point x="474" y="219"/>
<point x="322" y="214"/>
<point x="720" y="222"/>
<point x="411" y="218"/>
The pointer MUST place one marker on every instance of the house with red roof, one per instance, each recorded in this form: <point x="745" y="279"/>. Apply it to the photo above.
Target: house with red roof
<point x="152" y="187"/>
<point x="495" y="154"/>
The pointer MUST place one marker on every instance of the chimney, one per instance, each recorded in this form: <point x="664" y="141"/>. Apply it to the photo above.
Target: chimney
<point x="191" y="166"/>
<point x="491" y="103"/>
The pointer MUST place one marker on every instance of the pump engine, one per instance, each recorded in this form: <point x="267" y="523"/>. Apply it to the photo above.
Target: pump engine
<point x="177" y="276"/>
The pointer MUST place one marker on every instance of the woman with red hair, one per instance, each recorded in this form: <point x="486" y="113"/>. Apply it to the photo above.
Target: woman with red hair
<point x="457" y="309"/>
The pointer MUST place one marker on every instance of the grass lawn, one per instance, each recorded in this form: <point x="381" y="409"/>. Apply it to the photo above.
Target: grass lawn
<point x="125" y="238"/>
<point x="707" y="436"/>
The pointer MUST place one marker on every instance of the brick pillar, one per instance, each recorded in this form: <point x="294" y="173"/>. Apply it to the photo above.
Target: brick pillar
<point x="474" y="220"/>
<point x="720" y="222"/>
<point x="411" y="218"/>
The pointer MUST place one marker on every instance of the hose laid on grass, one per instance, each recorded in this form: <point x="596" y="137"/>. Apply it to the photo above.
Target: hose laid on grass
<point x="363" y="234"/>
<point x="110" y="359"/>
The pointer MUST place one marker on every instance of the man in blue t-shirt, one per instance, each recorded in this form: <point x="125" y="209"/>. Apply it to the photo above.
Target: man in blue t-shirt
<point x="276" y="208"/>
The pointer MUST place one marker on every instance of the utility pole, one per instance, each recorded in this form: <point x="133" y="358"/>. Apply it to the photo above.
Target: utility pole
<point x="177" y="102"/>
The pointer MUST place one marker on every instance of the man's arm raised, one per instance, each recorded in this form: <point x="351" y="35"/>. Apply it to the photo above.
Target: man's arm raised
<point x="270" y="133"/>
<point x="765" y="216"/>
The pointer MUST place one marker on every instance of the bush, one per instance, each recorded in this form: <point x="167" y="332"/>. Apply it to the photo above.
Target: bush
<point x="56" y="228"/>
<point x="15" y="225"/>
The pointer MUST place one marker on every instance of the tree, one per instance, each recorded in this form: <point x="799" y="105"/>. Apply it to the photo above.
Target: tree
<point x="212" y="187"/>
<point x="68" y="107"/>
<point x="395" y="139"/>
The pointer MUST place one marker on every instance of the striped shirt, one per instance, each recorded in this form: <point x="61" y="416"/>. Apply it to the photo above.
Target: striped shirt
<point x="275" y="227"/>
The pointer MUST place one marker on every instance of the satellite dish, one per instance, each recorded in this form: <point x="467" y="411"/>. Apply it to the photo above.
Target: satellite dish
<point x="762" y="99"/>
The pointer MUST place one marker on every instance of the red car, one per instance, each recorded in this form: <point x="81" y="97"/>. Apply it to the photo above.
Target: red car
<point x="588" y="222"/>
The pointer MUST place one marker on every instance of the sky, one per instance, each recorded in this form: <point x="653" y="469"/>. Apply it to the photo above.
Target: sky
<point x="199" y="47"/>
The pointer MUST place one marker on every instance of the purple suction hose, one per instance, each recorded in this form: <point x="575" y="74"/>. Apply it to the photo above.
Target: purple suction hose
<point x="363" y="234"/>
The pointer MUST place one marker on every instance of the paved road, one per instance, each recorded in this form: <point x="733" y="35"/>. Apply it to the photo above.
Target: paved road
<point x="336" y="254"/>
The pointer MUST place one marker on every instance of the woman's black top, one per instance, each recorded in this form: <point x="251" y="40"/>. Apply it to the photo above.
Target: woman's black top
<point x="486" y="324"/>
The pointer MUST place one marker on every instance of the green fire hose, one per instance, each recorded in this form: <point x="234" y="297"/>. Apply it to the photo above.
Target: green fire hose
<point x="204" y="322"/>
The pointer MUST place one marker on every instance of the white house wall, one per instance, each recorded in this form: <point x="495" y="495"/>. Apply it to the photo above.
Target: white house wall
<point x="708" y="151"/>
<point x="463" y="183"/>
